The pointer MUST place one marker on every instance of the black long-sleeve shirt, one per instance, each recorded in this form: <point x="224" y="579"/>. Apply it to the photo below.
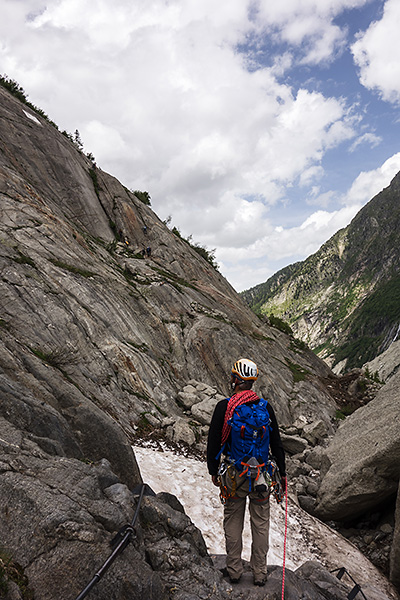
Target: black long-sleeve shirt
<point x="215" y="436"/>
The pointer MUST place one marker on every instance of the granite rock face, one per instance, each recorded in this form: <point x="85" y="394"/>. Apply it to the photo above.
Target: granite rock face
<point x="87" y="322"/>
<point x="58" y="516"/>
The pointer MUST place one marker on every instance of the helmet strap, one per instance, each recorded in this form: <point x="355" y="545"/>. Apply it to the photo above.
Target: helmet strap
<point x="237" y="382"/>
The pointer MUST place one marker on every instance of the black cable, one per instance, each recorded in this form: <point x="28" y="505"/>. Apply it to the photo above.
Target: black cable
<point x="356" y="589"/>
<point x="122" y="540"/>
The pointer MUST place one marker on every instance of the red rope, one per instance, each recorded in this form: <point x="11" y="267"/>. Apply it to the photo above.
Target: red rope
<point x="284" y="543"/>
<point x="233" y="402"/>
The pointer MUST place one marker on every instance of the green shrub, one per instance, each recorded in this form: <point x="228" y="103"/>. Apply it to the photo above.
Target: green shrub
<point x="280" y="324"/>
<point x="208" y="255"/>
<point x="143" y="197"/>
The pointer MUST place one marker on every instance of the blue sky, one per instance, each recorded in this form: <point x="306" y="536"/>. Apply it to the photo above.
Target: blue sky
<point x="261" y="128"/>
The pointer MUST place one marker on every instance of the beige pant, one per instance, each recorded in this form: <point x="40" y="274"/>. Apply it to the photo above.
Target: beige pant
<point x="234" y="511"/>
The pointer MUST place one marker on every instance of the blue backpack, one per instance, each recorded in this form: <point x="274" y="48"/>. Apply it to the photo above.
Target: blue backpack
<point x="249" y="448"/>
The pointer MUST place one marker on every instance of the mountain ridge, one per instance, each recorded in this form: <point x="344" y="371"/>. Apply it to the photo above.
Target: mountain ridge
<point x="341" y="300"/>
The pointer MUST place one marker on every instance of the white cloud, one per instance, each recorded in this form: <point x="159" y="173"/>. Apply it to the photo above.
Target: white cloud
<point x="370" y="183"/>
<point x="108" y="141"/>
<point x="171" y="92"/>
<point x="308" y="176"/>
<point x="309" y="25"/>
<point x="377" y="54"/>
<point x="165" y="101"/>
<point x="246" y="267"/>
<point x="285" y="245"/>
<point x="367" y="138"/>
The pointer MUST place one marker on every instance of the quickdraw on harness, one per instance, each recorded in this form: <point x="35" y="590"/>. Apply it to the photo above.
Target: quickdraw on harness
<point x="228" y="471"/>
<point x="276" y="486"/>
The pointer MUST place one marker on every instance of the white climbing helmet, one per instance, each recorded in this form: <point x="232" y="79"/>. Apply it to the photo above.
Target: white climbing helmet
<point x="245" y="369"/>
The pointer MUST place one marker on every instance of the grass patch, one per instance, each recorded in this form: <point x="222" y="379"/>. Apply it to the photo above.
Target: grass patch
<point x="298" y="372"/>
<point x="134" y="277"/>
<point x="55" y="358"/>
<point x="160" y="410"/>
<point x="143" y="425"/>
<point x="261" y="338"/>
<point x="173" y="279"/>
<point x="94" y="178"/>
<point x="139" y="395"/>
<point x="23" y="259"/>
<point x="297" y="345"/>
<point x="280" y="324"/>
<point x="12" y="571"/>
<point x="344" y="412"/>
<point x="142" y="347"/>
<point x="71" y="268"/>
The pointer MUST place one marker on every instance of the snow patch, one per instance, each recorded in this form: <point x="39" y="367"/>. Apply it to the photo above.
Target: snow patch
<point x="32" y="117"/>
<point x="307" y="537"/>
<point x="188" y="479"/>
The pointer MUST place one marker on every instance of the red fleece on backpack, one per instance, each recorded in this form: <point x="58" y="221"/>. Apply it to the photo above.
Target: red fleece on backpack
<point x="233" y="402"/>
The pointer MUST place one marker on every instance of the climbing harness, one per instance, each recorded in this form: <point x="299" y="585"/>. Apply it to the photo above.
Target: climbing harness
<point x="118" y="544"/>
<point x="284" y="540"/>
<point x="356" y="589"/>
<point x="265" y="477"/>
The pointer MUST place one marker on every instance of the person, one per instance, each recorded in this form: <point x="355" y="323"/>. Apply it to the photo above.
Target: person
<point x="243" y="374"/>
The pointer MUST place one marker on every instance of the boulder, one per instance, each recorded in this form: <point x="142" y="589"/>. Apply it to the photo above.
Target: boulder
<point x="300" y="423"/>
<point x="307" y="503"/>
<point x="203" y="411"/>
<point x="387" y="363"/>
<point x="364" y="458"/>
<point x="315" y="457"/>
<point x="293" y="444"/>
<point x="296" y="468"/>
<point x="57" y="521"/>
<point x="189" y="388"/>
<point x="181" y="431"/>
<point x="74" y="426"/>
<point x="187" y="399"/>
<point x="195" y="392"/>
<point x="315" y="431"/>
